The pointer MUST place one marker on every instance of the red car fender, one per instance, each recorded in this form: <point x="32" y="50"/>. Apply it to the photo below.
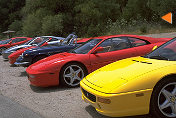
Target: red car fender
<point x="12" y="57"/>
<point x="47" y="70"/>
<point x="5" y="45"/>
<point x="9" y="44"/>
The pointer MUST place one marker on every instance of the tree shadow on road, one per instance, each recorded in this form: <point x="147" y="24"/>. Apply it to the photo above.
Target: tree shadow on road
<point x="50" y="89"/>
<point x="23" y="74"/>
<point x="13" y="65"/>
<point x="91" y="110"/>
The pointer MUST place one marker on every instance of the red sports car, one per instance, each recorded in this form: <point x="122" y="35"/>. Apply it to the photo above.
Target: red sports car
<point x="44" y="40"/>
<point x="69" y="68"/>
<point x="4" y="44"/>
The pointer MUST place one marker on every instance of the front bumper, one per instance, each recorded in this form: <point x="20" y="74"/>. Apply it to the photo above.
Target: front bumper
<point x="122" y="104"/>
<point x="12" y="60"/>
<point x="45" y="79"/>
<point x="23" y="61"/>
<point x="23" y="64"/>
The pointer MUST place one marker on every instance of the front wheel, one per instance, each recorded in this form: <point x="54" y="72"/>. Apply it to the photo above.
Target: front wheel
<point x="163" y="101"/>
<point x="71" y="74"/>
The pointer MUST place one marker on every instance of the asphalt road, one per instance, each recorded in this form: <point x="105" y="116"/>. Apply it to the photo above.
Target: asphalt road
<point x="20" y="100"/>
<point x="11" y="109"/>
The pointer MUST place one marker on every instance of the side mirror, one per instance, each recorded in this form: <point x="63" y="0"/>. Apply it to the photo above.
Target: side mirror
<point x="154" y="47"/>
<point x="98" y="49"/>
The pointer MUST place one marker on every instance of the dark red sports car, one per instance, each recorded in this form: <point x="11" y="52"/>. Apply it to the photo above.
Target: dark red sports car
<point x="70" y="68"/>
<point x="4" y="44"/>
<point x="43" y="41"/>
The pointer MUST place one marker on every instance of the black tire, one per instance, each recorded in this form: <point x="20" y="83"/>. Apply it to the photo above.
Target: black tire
<point x="37" y="58"/>
<point x="75" y="78"/>
<point x="2" y="49"/>
<point x="158" y="98"/>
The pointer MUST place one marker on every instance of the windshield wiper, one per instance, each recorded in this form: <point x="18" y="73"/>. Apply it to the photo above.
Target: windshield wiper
<point x="159" y="57"/>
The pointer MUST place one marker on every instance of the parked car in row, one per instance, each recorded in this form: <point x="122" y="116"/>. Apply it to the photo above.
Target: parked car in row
<point x="134" y="86"/>
<point x="33" y="55"/>
<point x="4" y="44"/>
<point x="33" y="42"/>
<point x="70" y="67"/>
<point x="50" y="40"/>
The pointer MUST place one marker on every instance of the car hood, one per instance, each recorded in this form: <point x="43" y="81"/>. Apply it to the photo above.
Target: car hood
<point x="48" y="49"/>
<point x="116" y="74"/>
<point x="51" y="61"/>
<point x="14" y="48"/>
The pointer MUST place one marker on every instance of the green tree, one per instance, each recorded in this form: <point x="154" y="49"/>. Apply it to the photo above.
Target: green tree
<point x="137" y="10"/>
<point x="16" y="26"/>
<point x="53" y="25"/>
<point x="161" y="7"/>
<point x="9" y="12"/>
<point x="32" y="25"/>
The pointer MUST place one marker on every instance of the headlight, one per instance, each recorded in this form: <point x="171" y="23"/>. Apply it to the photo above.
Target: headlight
<point x="23" y="55"/>
<point x="103" y="100"/>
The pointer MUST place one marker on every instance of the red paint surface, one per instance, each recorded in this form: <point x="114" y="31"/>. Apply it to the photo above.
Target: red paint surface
<point x="8" y="45"/>
<point x="46" y="71"/>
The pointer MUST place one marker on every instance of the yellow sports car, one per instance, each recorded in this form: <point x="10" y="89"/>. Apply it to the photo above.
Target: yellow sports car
<point x="135" y="86"/>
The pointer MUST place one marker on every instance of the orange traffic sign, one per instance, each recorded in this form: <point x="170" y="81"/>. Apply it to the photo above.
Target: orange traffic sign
<point x="168" y="17"/>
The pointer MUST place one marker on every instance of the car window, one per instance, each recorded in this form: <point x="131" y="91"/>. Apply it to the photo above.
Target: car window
<point x="136" y="42"/>
<point x="18" y="40"/>
<point x="86" y="47"/>
<point x="5" y="41"/>
<point x="53" y="39"/>
<point x="37" y="40"/>
<point x="167" y="51"/>
<point x="120" y="43"/>
<point x="107" y="45"/>
<point x="113" y="44"/>
<point x="22" y="39"/>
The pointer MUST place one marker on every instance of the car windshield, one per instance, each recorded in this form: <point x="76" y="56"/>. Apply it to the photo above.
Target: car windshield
<point x="44" y="39"/>
<point x="165" y="52"/>
<point x="28" y="42"/>
<point x="85" y="48"/>
<point x="5" y="41"/>
<point x="69" y="39"/>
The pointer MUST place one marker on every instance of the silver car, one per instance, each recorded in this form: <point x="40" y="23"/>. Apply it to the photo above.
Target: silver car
<point x="33" y="42"/>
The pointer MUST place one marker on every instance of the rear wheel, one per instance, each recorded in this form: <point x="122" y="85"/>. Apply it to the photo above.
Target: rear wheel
<point x="39" y="57"/>
<point x="71" y="74"/>
<point x="163" y="101"/>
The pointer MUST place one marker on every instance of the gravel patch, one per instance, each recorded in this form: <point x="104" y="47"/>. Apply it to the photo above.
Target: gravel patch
<point x="52" y="102"/>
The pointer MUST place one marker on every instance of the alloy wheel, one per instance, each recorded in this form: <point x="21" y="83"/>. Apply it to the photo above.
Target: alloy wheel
<point x="167" y="100"/>
<point x="73" y="74"/>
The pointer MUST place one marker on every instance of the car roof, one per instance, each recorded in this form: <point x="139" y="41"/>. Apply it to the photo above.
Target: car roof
<point x="52" y="37"/>
<point x="149" y="39"/>
<point x="119" y="35"/>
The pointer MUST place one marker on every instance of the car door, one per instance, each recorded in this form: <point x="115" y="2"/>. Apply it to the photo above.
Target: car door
<point x="114" y="49"/>
<point x="141" y="46"/>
